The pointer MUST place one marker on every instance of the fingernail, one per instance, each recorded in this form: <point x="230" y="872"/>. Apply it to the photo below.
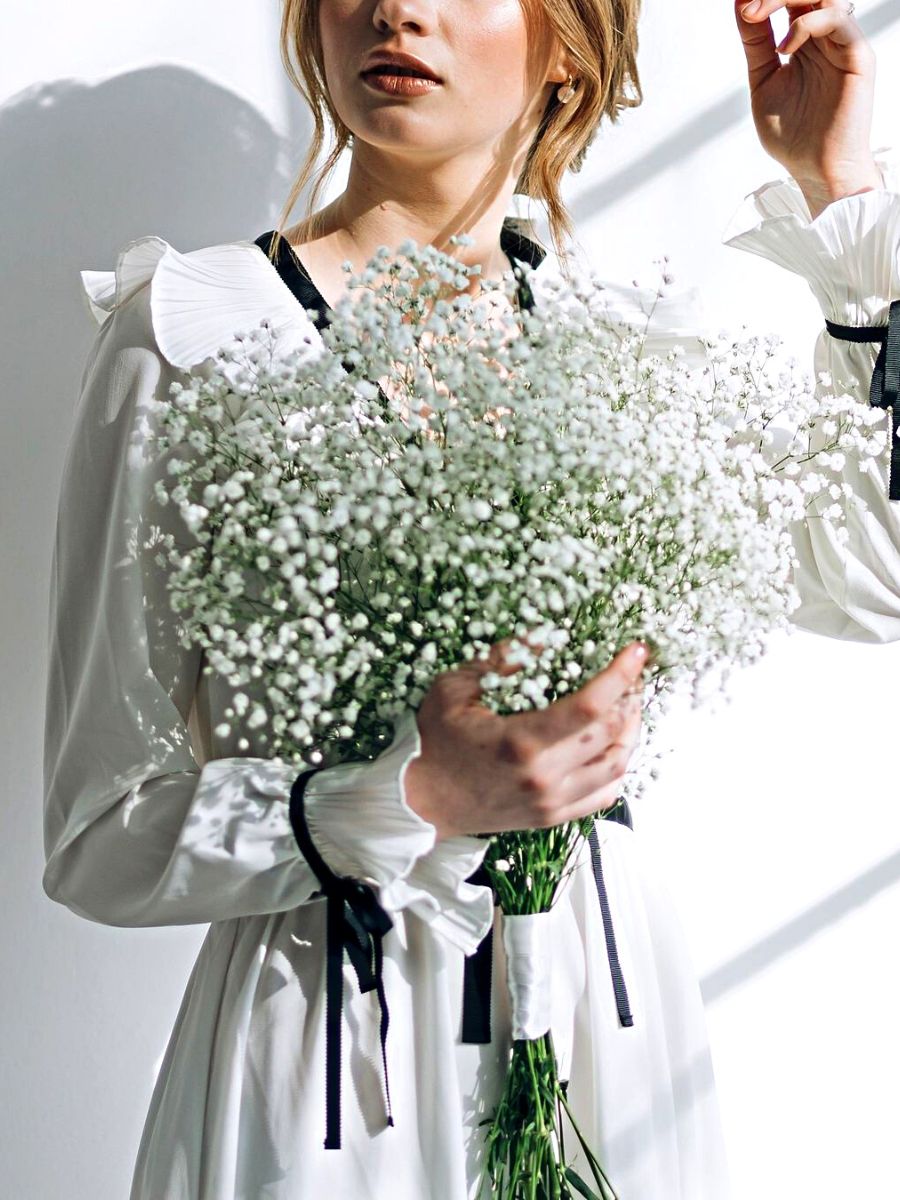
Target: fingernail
<point x="638" y="653"/>
<point x="749" y="9"/>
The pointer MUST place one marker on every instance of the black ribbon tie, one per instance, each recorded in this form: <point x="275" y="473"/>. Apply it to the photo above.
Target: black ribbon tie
<point x="357" y="923"/>
<point x="477" y="971"/>
<point x="884" y="391"/>
<point x="623" y="1007"/>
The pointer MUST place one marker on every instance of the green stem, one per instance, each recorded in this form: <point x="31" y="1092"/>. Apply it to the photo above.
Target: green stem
<point x="524" y="1146"/>
<point x="529" y="1052"/>
<point x="608" y="1192"/>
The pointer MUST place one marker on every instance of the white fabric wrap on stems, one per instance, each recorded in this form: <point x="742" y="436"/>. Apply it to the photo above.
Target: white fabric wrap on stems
<point x="528" y="943"/>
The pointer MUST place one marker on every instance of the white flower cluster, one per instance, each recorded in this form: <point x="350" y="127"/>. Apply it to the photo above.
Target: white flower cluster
<point x="449" y="472"/>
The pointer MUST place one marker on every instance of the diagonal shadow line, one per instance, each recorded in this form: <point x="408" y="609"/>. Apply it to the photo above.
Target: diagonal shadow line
<point x="677" y="146"/>
<point x="733" y="108"/>
<point x="800" y="929"/>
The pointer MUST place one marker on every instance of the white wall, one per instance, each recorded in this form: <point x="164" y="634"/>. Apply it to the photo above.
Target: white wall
<point x="774" y="819"/>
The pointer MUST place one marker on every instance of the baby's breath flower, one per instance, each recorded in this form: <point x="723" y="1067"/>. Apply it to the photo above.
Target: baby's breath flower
<point x="438" y="472"/>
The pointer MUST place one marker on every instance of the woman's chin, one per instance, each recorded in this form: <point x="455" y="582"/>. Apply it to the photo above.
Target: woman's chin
<point x="397" y="133"/>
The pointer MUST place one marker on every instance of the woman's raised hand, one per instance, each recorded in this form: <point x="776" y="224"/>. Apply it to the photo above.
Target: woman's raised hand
<point x="480" y="772"/>
<point x="813" y="114"/>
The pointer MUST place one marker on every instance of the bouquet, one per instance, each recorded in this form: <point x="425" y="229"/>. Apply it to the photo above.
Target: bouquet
<point x="441" y="471"/>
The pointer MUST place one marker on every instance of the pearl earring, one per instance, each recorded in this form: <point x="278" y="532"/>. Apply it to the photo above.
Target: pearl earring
<point x="566" y="92"/>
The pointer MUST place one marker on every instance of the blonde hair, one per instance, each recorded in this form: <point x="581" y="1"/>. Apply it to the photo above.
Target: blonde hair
<point x="601" y="39"/>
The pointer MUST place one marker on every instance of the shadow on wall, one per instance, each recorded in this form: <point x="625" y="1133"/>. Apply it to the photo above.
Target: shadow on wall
<point x="793" y="934"/>
<point x="160" y="150"/>
<point x="87" y="168"/>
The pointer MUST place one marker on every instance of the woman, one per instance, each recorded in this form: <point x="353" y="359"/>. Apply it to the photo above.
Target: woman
<point x="152" y="818"/>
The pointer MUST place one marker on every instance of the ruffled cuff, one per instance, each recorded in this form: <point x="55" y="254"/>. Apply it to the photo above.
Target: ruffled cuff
<point x="364" y="828"/>
<point x="436" y="890"/>
<point x="850" y="253"/>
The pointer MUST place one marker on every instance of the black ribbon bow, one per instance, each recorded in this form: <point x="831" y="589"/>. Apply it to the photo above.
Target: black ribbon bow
<point x="356" y="922"/>
<point x="884" y="391"/>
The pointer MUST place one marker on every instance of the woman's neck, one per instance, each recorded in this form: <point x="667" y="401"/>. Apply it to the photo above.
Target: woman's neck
<point x="428" y="205"/>
<point x="324" y="254"/>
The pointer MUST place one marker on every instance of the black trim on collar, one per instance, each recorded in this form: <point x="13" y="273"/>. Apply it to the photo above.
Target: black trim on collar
<point x="517" y="248"/>
<point x="516" y="245"/>
<point x="293" y="273"/>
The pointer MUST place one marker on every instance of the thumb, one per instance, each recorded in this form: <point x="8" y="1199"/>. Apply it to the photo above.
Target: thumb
<point x="759" y="45"/>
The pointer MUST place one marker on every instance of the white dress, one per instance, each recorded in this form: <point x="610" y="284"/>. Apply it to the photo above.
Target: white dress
<point x="151" y="819"/>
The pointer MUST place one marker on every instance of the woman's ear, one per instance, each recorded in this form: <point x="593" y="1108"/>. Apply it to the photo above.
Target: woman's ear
<point x="561" y="68"/>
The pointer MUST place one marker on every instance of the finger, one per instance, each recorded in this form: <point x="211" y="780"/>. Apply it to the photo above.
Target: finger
<point x="616" y="759"/>
<point x="575" y="713"/>
<point x="767" y="7"/>
<point x="592" y="788"/>
<point x="758" y="38"/>
<point x="598" y="802"/>
<point x="628" y="738"/>
<point x="622" y="724"/>
<point x="831" y="22"/>
<point x="630" y="734"/>
<point x="582" y="787"/>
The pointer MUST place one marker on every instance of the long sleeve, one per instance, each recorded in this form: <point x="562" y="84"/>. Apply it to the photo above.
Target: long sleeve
<point x="850" y="257"/>
<point x="136" y="831"/>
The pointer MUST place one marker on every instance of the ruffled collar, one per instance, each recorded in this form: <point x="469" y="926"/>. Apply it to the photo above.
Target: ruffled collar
<point x="198" y="300"/>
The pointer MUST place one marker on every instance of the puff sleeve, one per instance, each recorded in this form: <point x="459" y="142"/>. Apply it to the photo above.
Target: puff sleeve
<point x="136" y="831"/>
<point x="850" y="257"/>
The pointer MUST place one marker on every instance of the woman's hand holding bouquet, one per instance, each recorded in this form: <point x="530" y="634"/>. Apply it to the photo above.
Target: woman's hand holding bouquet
<point x="480" y="772"/>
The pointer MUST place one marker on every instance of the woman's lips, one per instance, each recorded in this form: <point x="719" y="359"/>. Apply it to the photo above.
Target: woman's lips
<point x="399" y="85"/>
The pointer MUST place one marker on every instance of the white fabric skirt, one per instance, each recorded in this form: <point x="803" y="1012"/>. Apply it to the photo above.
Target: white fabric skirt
<point x="238" y="1112"/>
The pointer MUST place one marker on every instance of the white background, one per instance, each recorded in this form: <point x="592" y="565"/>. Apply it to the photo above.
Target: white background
<point x="774" y="821"/>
